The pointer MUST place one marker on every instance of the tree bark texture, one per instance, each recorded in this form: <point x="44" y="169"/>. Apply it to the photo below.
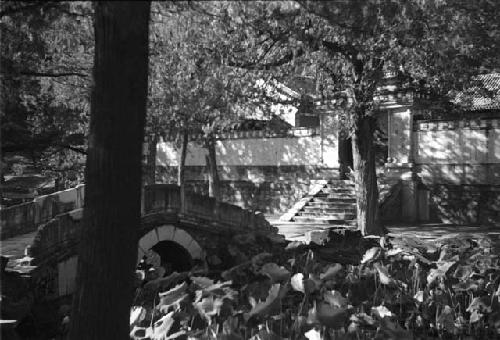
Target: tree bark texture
<point x="181" y="171"/>
<point x="150" y="173"/>
<point x="366" y="177"/>
<point x="345" y="155"/>
<point x="213" y="174"/>
<point x="108" y="249"/>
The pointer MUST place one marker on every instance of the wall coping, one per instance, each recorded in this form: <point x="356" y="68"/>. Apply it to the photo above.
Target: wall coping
<point x="258" y="134"/>
<point x="472" y="124"/>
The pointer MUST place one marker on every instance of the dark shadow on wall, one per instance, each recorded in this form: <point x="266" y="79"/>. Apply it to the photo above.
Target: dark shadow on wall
<point x="465" y="204"/>
<point x="269" y="189"/>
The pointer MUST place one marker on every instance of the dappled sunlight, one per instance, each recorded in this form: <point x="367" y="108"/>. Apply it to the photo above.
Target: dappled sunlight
<point x="465" y="204"/>
<point x="434" y="231"/>
<point x="455" y="173"/>
<point x="457" y="152"/>
<point x="494" y="155"/>
<point x="399" y="126"/>
<point x="451" y="146"/>
<point x="304" y="150"/>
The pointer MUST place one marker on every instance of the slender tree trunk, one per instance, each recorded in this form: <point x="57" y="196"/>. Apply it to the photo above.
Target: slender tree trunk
<point x="181" y="170"/>
<point x="366" y="177"/>
<point x="150" y="173"/>
<point x="181" y="180"/>
<point x="345" y="155"/>
<point x="213" y="175"/>
<point x="2" y="165"/>
<point x="108" y="249"/>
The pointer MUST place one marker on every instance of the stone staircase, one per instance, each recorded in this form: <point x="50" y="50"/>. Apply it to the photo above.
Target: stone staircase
<point x="328" y="203"/>
<point x="333" y="204"/>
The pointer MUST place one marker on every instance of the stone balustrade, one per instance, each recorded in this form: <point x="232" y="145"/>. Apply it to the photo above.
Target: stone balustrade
<point x="58" y="237"/>
<point x="24" y="218"/>
<point x="166" y="197"/>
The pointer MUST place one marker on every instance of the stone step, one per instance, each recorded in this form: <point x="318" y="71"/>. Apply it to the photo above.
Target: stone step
<point x="301" y="228"/>
<point x="323" y="220"/>
<point x="336" y="194"/>
<point x="340" y="182"/>
<point x="330" y="209"/>
<point x="334" y="198"/>
<point x="342" y="186"/>
<point x="331" y="204"/>
<point x="334" y="204"/>
<point x="332" y="190"/>
<point x="332" y="216"/>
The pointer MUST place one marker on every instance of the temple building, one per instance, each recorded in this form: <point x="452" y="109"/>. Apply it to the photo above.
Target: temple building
<point x="446" y="163"/>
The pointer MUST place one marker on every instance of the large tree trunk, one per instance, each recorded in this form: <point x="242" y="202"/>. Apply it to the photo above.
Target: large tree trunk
<point x="213" y="175"/>
<point x="108" y="249"/>
<point x="366" y="177"/>
<point x="150" y="173"/>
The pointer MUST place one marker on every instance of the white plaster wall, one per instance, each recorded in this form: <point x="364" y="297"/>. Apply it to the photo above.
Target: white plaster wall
<point x="494" y="146"/>
<point x="472" y="146"/>
<point x="399" y="135"/>
<point x="308" y="150"/>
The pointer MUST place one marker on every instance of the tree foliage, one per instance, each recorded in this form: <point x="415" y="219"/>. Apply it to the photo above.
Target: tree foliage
<point x="193" y="87"/>
<point x="193" y="84"/>
<point x="46" y="58"/>
<point x="213" y="62"/>
<point x="435" y="46"/>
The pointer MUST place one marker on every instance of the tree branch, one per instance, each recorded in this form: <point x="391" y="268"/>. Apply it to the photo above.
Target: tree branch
<point x="347" y="50"/>
<point x="325" y="13"/>
<point x="10" y="10"/>
<point x="53" y="74"/>
<point x="73" y="148"/>
<point x="75" y="14"/>
<point x="256" y="65"/>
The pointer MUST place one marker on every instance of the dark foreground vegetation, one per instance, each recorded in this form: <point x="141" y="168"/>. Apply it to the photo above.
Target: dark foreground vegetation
<point x="348" y="288"/>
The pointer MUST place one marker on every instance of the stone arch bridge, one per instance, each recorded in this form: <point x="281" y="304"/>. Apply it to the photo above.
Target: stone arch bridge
<point x="196" y="229"/>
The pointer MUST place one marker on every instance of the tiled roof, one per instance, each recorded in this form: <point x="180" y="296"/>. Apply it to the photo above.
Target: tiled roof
<point x="485" y="95"/>
<point x="27" y="182"/>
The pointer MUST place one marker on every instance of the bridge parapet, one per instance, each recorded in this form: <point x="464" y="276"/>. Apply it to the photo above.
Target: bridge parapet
<point x="167" y="198"/>
<point x="215" y="233"/>
<point x="26" y="217"/>
<point x="161" y="197"/>
<point x="57" y="238"/>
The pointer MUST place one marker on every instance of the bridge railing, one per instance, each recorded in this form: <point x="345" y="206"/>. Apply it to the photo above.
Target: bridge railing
<point x="57" y="236"/>
<point x="157" y="198"/>
<point x="24" y="218"/>
<point x="166" y="197"/>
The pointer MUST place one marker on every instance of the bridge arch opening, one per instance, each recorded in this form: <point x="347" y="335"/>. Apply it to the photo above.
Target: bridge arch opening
<point x="174" y="257"/>
<point x="177" y="249"/>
